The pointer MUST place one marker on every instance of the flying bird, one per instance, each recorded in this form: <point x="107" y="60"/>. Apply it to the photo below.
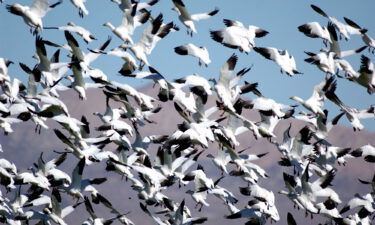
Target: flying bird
<point x="281" y="58"/>
<point x="200" y="52"/>
<point x="34" y="14"/>
<point x="188" y="19"/>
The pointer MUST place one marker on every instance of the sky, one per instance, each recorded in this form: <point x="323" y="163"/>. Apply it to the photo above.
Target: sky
<point x="280" y="18"/>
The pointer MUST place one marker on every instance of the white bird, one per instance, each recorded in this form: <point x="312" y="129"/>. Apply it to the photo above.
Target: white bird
<point x="34" y="14"/>
<point x="4" y="64"/>
<point x="197" y="84"/>
<point x="316" y="101"/>
<point x="130" y="21"/>
<point x="324" y="61"/>
<point x="148" y="40"/>
<point x="366" y="75"/>
<point x="315" y="30"/>
<point x="81" y="31"/>
<point x="128" y="4"/>
<point x="80" y="4"/>
<point x="369" y="41"/>
<point x="227" y="87"/>
<point x="236" y="35"/>
<point x="83" y="59"/>
<point x="6" y="124"/>
<point x="366" y="151"/>
<point x="354" y="115"/>
<point x="190" y="49"/>
<point x="187" y="19"/>
<point x="366" y="202"/>
<point x="281" y="58"/>
<point x="268" y="104"/>
<point x="221" y="159"/>
<point x="334" y="46"/>
<point x="344" y="29"/>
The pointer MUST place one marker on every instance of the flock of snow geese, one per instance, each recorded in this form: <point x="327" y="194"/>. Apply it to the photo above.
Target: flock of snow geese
<point x="312" y="160"/>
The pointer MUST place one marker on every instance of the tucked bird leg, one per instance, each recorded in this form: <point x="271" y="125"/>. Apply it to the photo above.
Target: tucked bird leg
<point x="80" y="13"/>
<point x="141" y="65"/>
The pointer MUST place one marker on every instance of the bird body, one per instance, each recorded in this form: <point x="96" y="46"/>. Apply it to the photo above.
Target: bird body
<point x="32" y="15"/>
<point x="281" y="58"/>
<point x="188" y="19"/>
<point x="190" y="49"/>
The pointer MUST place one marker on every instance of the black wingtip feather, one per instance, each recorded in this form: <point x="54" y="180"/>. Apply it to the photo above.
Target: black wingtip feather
<point x="181" y="50"/>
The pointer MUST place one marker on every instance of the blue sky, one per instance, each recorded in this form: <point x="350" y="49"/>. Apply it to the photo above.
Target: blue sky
<point x="280" y="18"/>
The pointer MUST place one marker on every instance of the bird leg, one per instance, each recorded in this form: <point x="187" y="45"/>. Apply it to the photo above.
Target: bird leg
<point x="80" y="13"/>
<point x="199" y="62"/>
<point x="200" y="209"/>
<point x="141" y="66"/>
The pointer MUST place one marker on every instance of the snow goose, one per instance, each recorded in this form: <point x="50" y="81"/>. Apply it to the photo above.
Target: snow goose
<point x="55" y="176"/>
<point x="324" y="61"/>
<point x="130" y="21"/>
<point x="8" y="173"/>
<point x="334" y="46"/>
<point x="51" y="70"/>
<point x="255" y="216"/>
<point x="268" y="104"/>
<point x="315" y="30"/>
<point x="84" y="59"/>
<point x="6" y="124"/>
<point x="128" y="4"/>
<point x="56" y="213"/>
<point x="281" y="58"/>
<point x="148" y="40"/>
<point x="369" y="41"/>
<point x="367" y="151"/>
<point x="4" y="64"/>
<point x="227" y="87"/>
<point x="79" y="185"/>
<point x="130" y="64"/>
<point x="366" y="202"/>
<point x="198" y="85"/>
<point x="344" y="29"/>
<point x="33" y="15"/>
<point x="269" y="121"/>
<point x="316" y="101"/>
<point x="235" y="35"/>
<point x="34" y="78"/>
<point x="221" y="159"/>
<point x="366" y="76"/>
<point x="80" y="4"/>
<point x="187" y="19"/>
<point x="297" y="194"/>
<point x="81" y="31"/>
<point x="190" y="49"/>
<point x="354" y="115"/>
<point x="78" y="84"/>
<point x="321" y="124"/>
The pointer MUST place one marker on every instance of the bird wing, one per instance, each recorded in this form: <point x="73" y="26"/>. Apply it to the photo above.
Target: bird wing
<point x="203" y="16"/>
<point x="268" y="53"/>
<point x="181" y="7"/>
<point x="40" y="7"/>
<point x="230" y="23"/>
<point x="227" y="69"/>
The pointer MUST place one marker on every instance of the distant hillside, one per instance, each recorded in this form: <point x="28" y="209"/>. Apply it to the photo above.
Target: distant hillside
<point x="24" y="146"/>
